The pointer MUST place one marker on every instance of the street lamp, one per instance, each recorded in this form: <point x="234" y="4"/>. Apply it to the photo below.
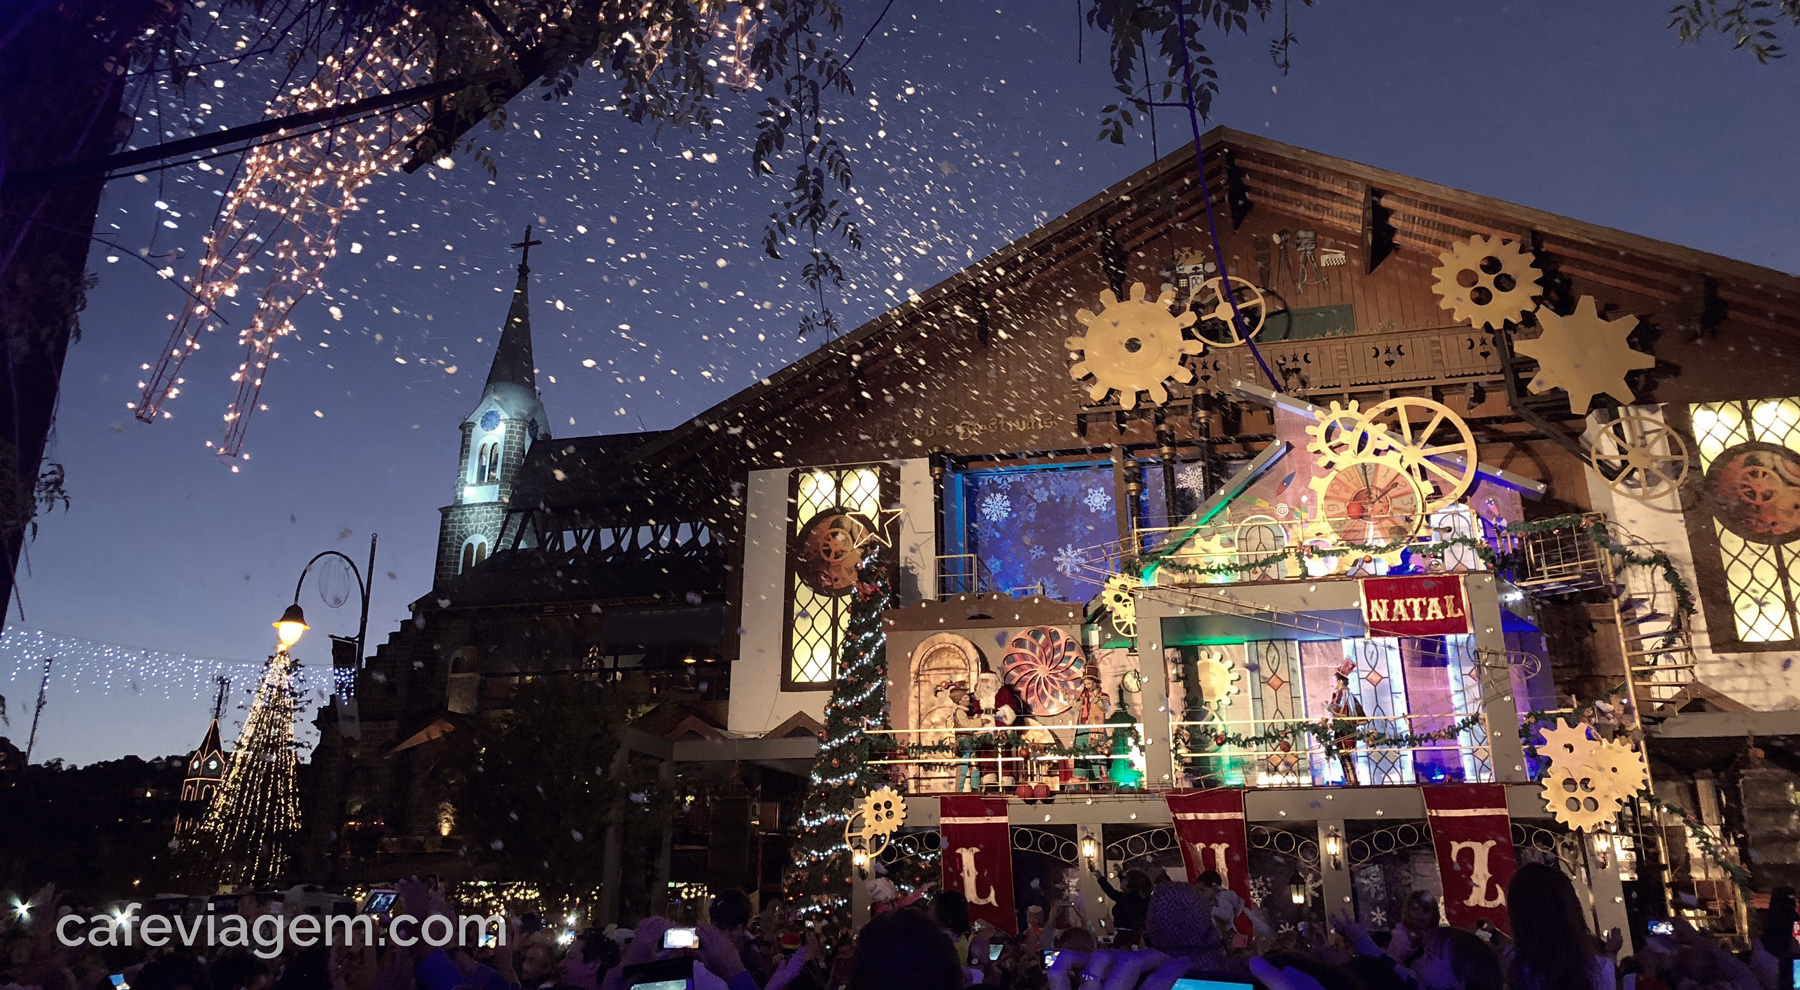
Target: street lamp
<point x="290" y="626"/>
<point x="1297" y="889"/>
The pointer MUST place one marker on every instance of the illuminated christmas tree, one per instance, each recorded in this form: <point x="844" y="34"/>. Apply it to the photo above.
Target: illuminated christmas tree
<point x="243" y="841"/>
<point x="819" y="882"/>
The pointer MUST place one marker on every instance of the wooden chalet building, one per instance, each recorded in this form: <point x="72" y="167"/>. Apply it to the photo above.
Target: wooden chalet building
<point x="1115" y="512"/>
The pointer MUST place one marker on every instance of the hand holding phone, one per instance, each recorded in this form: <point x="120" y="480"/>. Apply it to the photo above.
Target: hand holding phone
<point x="681" y="938"/>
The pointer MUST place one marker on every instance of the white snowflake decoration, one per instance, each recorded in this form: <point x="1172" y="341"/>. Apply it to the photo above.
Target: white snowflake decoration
<point x="1192" y="478"/>
<point x="995" y="506"/>
<point x="1040" y="494"/>
<point x="1378" y="916"/>
<point x="1259" y="890"/>
<point x="1068" y="559"/>
<point x="1098" y="500"/>
<point x="1038" y="551"/>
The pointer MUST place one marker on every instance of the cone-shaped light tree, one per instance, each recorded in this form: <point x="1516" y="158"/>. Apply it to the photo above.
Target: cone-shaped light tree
<point x="243" y="840"/>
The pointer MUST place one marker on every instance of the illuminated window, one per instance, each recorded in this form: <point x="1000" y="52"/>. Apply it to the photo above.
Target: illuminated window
<point x="833" y="510"/>
<point x="487" y="463"/>
<point x="1750" y="451"/>
<point x="474" y="552"/>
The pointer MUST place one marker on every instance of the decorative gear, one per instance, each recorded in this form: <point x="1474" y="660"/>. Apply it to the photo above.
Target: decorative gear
<point x="1217" y="678"/>
<point x="883" y="812"/>
<point x="1369" y="501"/>
<point x="1214" y="309"/>
<point x="1640" y="457"/>
<point x="1486" y="280"/>
<point x="1576" y="797"/>
<point x="1117" y="594"/>
<point x="1340" y="435"/>
<point x="1588" y="778"/>
<point x="1624" y="767"/>
<point x="1133" y="347"/>
<point x="1584" y="354"/>
<point x="1567" y="744"/>
<point x="1406" y="444"/>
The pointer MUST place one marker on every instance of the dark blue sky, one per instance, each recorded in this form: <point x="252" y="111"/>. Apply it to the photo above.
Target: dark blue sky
<point x="973" y="124"/>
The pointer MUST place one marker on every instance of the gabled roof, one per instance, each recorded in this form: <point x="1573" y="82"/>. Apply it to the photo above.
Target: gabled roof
<point x="1386" y="209"/>
<point x="209" y="746"/>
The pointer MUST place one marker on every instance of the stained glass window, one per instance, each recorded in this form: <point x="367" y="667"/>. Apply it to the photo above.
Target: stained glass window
<point x="832" y="508"/>
<point x="1750" y="451"/>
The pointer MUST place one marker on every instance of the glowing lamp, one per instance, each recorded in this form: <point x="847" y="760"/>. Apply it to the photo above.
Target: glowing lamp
<point x="1297" y="889"/>
<point x="1090" y="850"/>
<point x="290" y="626"/>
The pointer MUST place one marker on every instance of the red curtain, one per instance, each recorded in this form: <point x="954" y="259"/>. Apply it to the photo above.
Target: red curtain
<point x="1472" y="834"/>
<point x="977" y="856"/>
<point x="1210" y="827"/>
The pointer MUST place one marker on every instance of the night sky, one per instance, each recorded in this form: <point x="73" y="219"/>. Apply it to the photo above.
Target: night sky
<point x="651" y="298"/>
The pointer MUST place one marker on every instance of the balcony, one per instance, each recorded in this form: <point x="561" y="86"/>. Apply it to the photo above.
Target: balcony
<point x="1443" y="356"/>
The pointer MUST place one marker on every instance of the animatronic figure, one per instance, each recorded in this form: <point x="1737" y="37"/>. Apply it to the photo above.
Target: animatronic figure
<point x="1127" y="768"/>
<point x="1345" y="705"/>
<point x="1092" y="706"/>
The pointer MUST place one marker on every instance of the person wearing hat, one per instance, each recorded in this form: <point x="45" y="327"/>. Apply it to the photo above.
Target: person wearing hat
<point x="1344" y="704"/>
<point x="962" y="721"/>
<point x="1092" y="706"/>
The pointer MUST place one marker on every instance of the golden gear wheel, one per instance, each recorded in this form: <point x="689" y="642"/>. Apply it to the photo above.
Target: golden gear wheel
<point x="1404" y="427"/>
<point x="1133" y="346"/>
<point x="1217" y="678"/>
<point x="1486" y="280"/>
<point x="1578" y="797"/>
<point x="883" y="812"/>
<point x="1117" y="596"/>
<point x="1623" y="769"/>
<point x="1640" y="457"/>
<point x="1567" y="744"/>
<point x="1340" y="435"/>
<point x="1584" y="354"/>
<point x="1209" y="302"/>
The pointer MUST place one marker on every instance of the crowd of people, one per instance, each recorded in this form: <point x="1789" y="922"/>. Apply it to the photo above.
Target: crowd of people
<point x="1162" y="934"/>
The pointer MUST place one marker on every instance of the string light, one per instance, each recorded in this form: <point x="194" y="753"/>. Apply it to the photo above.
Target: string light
<point x="83" y="664"/>
<point x="282" y="216"/>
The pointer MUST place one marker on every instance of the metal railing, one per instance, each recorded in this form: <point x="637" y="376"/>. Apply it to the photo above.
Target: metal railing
<point x="1291" y="755"/>
<point x="992" y="759"/>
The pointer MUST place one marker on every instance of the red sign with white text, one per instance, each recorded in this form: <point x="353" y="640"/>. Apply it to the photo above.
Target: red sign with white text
<point x="1472" y="834"/>
<point x="977" y="856"/>
<point x="1419" y="605"/>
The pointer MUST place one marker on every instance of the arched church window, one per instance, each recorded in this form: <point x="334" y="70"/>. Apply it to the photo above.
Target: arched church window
<point x="487" y="463"/>
<point x="473" y="552"/>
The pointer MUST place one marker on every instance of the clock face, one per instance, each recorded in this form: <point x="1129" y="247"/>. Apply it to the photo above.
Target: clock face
<point x="1370" y="502"/>
<point x="490" y="421"/>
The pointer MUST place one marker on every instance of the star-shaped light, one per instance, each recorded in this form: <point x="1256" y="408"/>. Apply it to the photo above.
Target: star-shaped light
<point x="1584" y="355"/>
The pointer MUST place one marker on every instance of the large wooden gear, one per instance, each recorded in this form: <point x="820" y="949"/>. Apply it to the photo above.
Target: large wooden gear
<point x="1209" y="301"/>
<point x="1486" y="281"/>
<point x="1119" y="598"/>
<point x="1640" y="457"/>
<point x="882" y="812"/>
<point x="1588" y="778"/>
<point x="1339" y="435"/>
<point x="1216" y="677"/>
<point x="1371" y="501"/>
<point x="1399" y="433"/>
<point x="1133" y="346"/>
<point x="1584" y="354"/>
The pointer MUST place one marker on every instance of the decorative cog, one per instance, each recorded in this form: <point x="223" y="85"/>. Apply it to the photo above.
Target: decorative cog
<point x="1588" y="778"/>
<point x="1340" y="435"/>
<point x="1133" y="346"/>
<point x="1208" y="300"/>
<point x="1577" y="797"/>
<point x="1217" y="678"/>
<point x="1640" y="457"/>
<point x="1584" y="354"/>
<point x="1624" y="768"/>
<point x="1117" y="596"/>
<point x="883" y="812"/>
<point x="1369" y="501"/>
<point x="1567" y="744"/>
<point x="1486" y="280"/>
<point x="1404" y="427"/>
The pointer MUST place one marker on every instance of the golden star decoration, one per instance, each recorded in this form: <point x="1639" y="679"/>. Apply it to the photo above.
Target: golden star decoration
<point x="1584" y="355"/>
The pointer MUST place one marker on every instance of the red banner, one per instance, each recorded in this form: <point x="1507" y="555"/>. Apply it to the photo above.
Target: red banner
<point x="1210" y="828"/>
<point x="1472" y="833"/>
<point x="1419" y="605"/>
<point x="977" y="856"/>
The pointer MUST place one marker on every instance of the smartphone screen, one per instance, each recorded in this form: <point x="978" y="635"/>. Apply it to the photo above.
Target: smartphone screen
<point x="994" y="950"/>
<point x="680" y="938"/>
<point x="118" y="982"/>
<point x="1049" y="958"/>
<point x="380" y="902"/>
<point x="1210" y="985"/>
<point x="1661" y="926"/>
<point x="1794" y="977"/>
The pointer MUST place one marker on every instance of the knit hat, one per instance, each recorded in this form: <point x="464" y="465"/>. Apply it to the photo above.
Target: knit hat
<point x="1180" y="919"/>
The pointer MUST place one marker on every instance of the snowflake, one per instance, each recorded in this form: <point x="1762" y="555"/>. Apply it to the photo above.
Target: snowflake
<point x="1051" y="590"/>
<point x="1259" y="890"/>
<point x="1068" y="559"/>
<point x="1038" y="551"/>
<point x="1040" y="494"/>
<point x="1378" y="917"/>
<point x="1372" y="884"/>
<point x="995" y="506"/>
<point x="1098" y="500"/>
<point x="1192" y="478"/>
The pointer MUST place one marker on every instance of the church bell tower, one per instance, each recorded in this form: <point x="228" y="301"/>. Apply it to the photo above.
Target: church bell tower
<point x="507" y="420"/>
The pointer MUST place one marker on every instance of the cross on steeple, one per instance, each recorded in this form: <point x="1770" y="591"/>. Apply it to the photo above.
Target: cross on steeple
<point x="219" y="701"/>
<point x="525" y="245"/>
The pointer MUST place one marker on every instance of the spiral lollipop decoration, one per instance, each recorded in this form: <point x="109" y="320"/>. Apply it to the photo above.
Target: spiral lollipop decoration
<point x="1044" y="665"/>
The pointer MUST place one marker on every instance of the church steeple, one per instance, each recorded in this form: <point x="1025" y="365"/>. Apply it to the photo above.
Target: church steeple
<point x="512" y="359"/>
<point x="505" y="422"/>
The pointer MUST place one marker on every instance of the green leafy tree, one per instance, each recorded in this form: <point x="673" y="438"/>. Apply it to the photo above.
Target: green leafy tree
<point x="842" y="773"/>
<point x="1750" y="24"/>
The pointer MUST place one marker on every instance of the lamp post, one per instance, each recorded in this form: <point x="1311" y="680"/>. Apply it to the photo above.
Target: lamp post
<point x="292" y="624"/>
